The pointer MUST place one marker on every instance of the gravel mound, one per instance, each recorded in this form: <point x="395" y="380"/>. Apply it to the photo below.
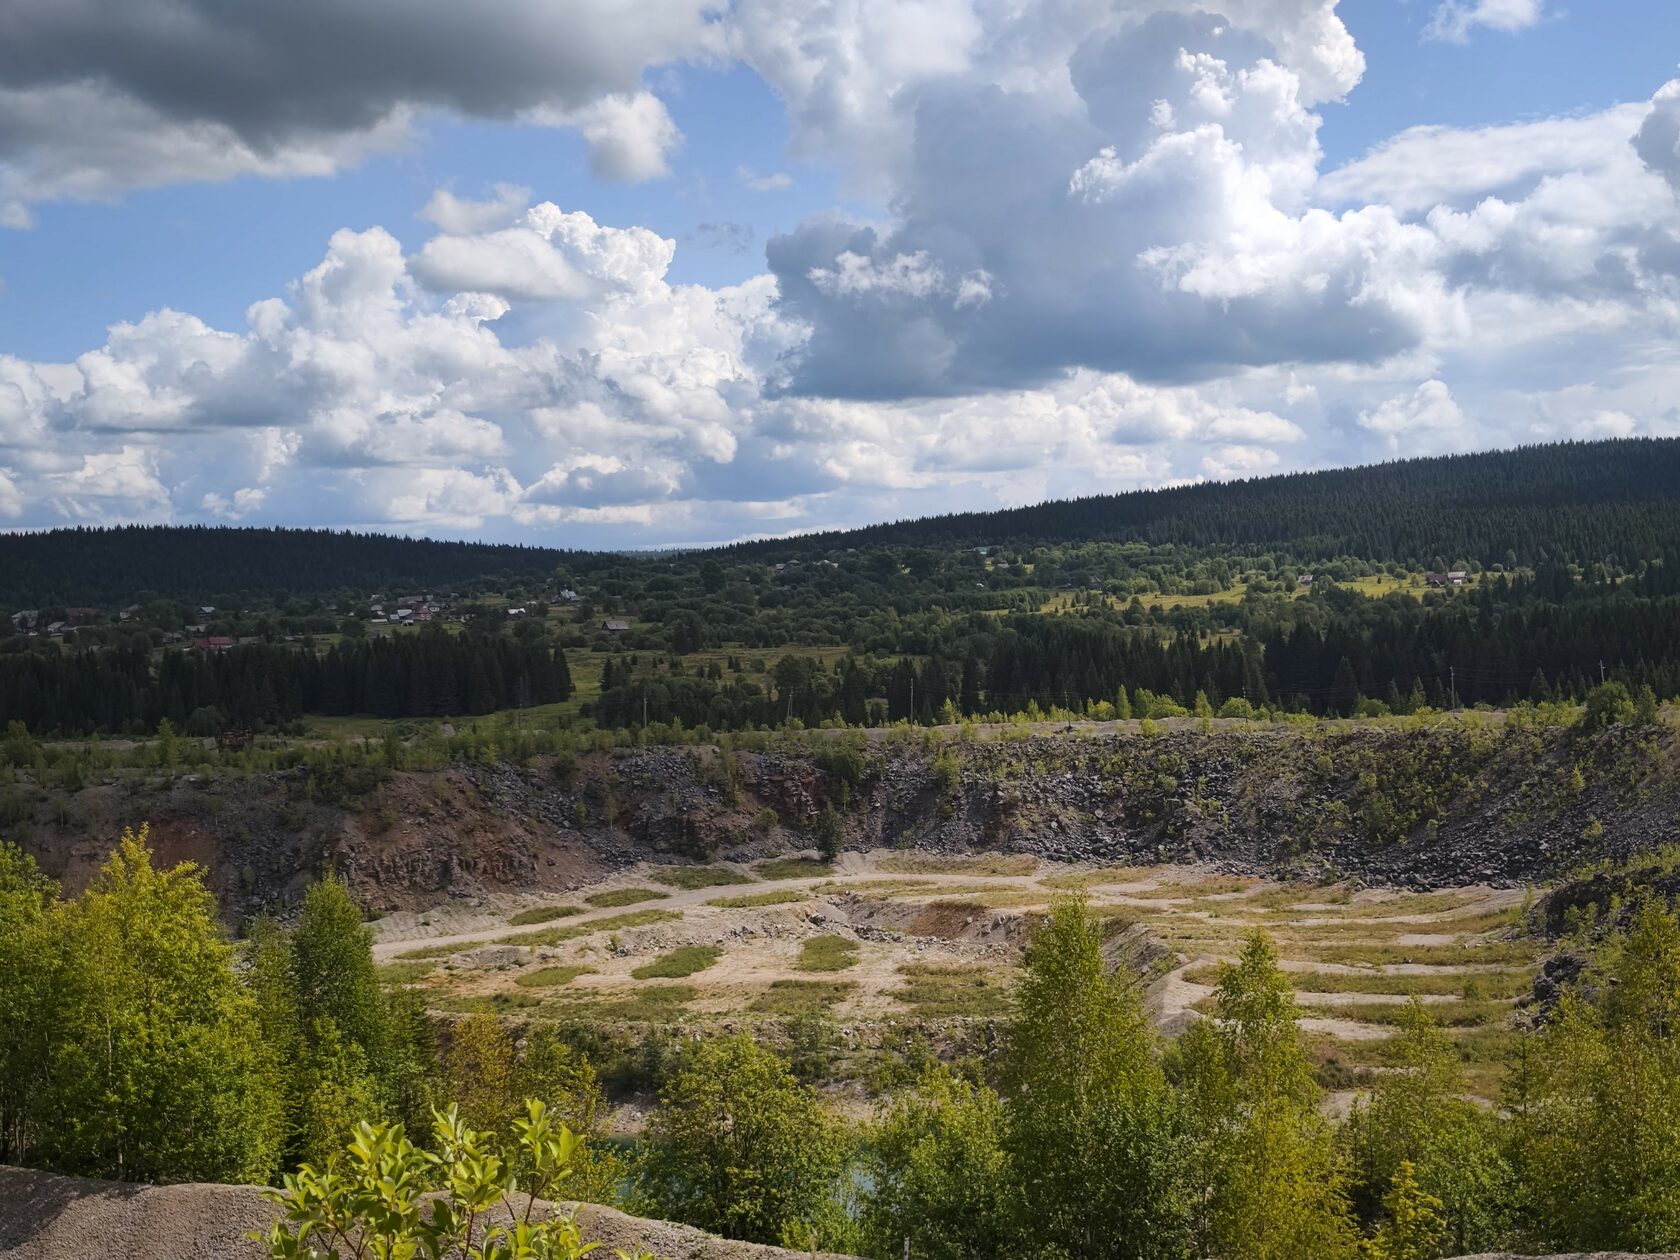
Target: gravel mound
<point x="46" y="1217"/>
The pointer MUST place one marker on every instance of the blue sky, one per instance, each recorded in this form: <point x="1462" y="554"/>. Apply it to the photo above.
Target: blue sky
<point x="670" y="272"/>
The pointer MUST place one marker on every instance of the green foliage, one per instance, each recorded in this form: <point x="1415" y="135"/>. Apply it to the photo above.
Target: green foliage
<point x="1595" y="1100"/>
<point x="1417" y="1119"/>
<point x="148" y="1059"/>
<point x="940" y="1183"/>
<point x="333" y="976"/>
<point x="1276" y="1187"/>
<point x="370" y="1199"/>
<point x="1081" y="1077"/>
<point x="741" y="1148"/>
<point x="1412" y="1228"/>
<point x="826" y="832"/>
<point x="1607" y="705"/>
<point x="681" y="962"/>
<point x="28" y="966"/>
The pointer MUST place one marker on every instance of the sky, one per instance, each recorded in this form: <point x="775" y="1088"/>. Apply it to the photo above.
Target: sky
<point x="636" y="273"/>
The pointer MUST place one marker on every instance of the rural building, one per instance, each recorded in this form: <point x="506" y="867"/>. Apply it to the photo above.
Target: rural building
<point x="615" y="627"/>
<point x="1456" y="577"/>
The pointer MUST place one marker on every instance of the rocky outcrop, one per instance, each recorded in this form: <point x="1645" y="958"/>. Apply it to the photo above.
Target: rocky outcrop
<point x="1424" y="805"/>
<point x="46" y="1217"/>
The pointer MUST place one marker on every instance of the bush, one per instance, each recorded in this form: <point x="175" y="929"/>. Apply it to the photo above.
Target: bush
<point x="371" y="1199"/>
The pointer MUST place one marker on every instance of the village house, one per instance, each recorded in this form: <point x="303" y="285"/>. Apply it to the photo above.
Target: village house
<point x="215" y="643"/>
<point x="1457" y="577"/>
<point x="615" y="627"/>
<point x="26" y="619"/>
<point x="1306" y="579"/>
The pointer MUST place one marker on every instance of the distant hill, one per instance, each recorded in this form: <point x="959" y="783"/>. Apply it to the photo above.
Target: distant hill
<point x="105" y="566"/>
<point x="1570" y="501"/>
<point x="1578" y="502"/>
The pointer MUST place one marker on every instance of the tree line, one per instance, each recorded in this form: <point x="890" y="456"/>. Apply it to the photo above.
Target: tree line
<point x="131" y="690"/>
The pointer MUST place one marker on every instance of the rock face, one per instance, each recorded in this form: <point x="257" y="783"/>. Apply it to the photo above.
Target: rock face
<point x="45" y="1217"/>
<point x="1457" y="802"/>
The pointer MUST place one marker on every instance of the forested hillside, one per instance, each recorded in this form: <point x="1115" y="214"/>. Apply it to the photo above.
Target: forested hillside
<point x="1574" y="502"/>
<point x="101" y="566"/>
<point x="1571" y="501"/>
<point x="1535" y="574"/>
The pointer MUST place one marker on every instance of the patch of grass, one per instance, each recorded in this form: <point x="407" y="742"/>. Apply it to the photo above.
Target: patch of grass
<point x="792" y="868"/>
<point x="827" y="953"/>
<point x="801" y="997"/>
<point x="624" y="897"/>
<point x="940" y="991"/>
<point x="775" y="897"/>
<point x="570" y="932"/>
<point x="677" y="964"/>
<point x="657" y="1003"/>
<point x="689" y="878"/>
<point x="543" y="914"/>
<point x="406" y="972"/>
<point x="972" y="864"/>
<point x="551" y="977"/>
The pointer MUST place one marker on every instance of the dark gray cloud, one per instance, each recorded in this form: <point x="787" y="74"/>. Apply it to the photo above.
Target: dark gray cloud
<point x="274" y="71"/>
<point x="97" y="98"/>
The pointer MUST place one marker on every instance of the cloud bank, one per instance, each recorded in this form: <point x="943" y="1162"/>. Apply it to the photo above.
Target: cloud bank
<point x="1113" y="257"/>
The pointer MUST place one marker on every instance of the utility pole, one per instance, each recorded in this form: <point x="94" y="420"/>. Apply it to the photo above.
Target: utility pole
<point x="1453" y="673"/>
<point x="1601" y="673"/>
<point x="912" y="695"/>
<point x="644" y="710"/>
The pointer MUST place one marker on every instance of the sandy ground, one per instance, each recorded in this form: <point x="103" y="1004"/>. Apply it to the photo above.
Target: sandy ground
<point x="958" y="915"/>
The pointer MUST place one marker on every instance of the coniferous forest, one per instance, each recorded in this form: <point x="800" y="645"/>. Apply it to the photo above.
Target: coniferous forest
<point x="1475" y="580"/>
